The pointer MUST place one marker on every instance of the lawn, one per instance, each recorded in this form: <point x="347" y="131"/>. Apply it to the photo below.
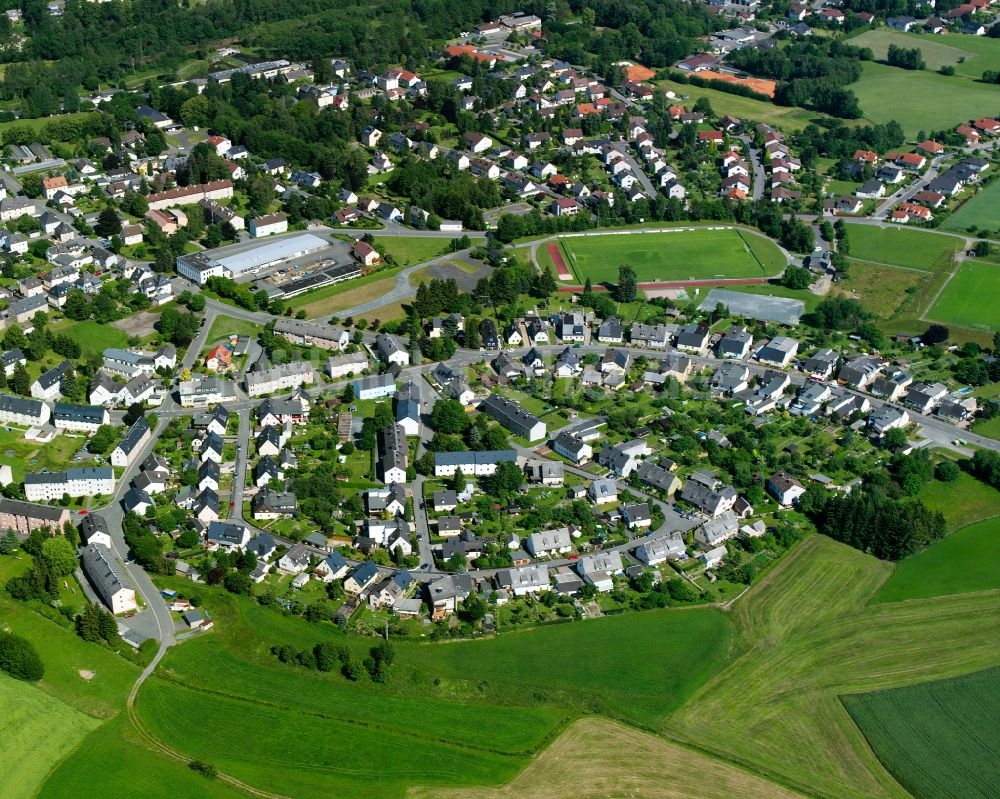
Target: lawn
<point x="786" y="117"/>
<point x="941" y="739"/>
<point x="94" y="336"/>
<point x="916" y="249"/>
<point x="981" y="210"/>
<point x="673" y="255"/>
<point x="36" y="732"/>
<point x="955" y="99"/>
<point x="881" y="289"/>
<point x="225" y="326"/>
<point x="30" y="456"/>
<point x="409" y="250"/>
<point x="809" y="636"/>
<point x="969" y="55"/>
<point x="964" y="561"/>
<point x="970" y="298"/>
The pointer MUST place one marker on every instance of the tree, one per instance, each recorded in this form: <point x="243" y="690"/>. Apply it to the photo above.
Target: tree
<point x="796" y="277"/>
<point x="20" y="381"/>
<point x="102" y="440"/>
<point x="60" y="553"/>
<point x="449" y="417"/>
<point x="895" y="438"/>
<point x="135" y="412"/>
<point x="545" y="283"/>
<point x="626" y="289"/>
<point x="19" y="658"/>
<point x="108" y="224"/>
<point x="77" y="306"/>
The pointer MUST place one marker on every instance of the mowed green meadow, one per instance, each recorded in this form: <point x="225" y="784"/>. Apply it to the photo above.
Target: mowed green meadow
<point x="970" y="55"/>
<point x="915" y="249"/>
<point x="982" y="210"/>
<point x="36" y="732"/>
<point x="939" y="101"/>
<point x="967" y="560"/>
<point x="941" y="739"/>
<point x="462" y="714"/>
<point x="680" y="254"/>
<point x="970" y="298"/>
<point x="113" y="761"/>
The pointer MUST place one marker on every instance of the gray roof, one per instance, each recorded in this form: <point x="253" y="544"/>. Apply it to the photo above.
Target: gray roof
<point x="474" y="458"/>
<point x="49" y="378"/>
<point x="134" y="435"/>
<point x="31" y="510"/>
<point x="79" y="413"/>
<point x="20" y="405"/>
<point x="103" y="572"/>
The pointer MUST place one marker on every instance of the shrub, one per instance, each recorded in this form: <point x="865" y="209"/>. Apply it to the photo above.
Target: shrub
<point x="19" y="658"/>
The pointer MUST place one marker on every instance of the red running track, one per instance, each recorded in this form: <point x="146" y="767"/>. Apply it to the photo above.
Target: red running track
<point x="556" y="255"/>
<point x="679" y="284"/>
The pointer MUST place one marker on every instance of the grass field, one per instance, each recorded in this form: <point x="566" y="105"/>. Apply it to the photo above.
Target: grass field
<point x="36" y="732"/>
<point x="956" y="99"/>
<point x="982" y="210"/>
<point x="225" y="326"/>
<point x="786" y="117"/>
<point x="595" y="759"/>
<point x="113" y="761"/>
<point x="988" y="427"/>
<point x="409" y="250"/>
<point x="964" y="561"/>
<point x="329" y="299"/>
<point x="808" y="636"/>
<point x="970" y="297"/>
<point x="941" y="740"/>
<point x="676" y="255"/>
<point x="881" y="289"/>
<point x="962" y="501"/>
<point x="916" y="249"/>
<point x="452" y="715"/>
<point x="94" y="336"/>
<point x="969" y="55"/>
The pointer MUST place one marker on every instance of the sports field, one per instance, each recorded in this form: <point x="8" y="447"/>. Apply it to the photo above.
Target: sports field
<point x="696" y="254"/>
<point x="916" y="249"/>
<point x="956" y="98"/>
<point x="964" y="561"/>
<point x="36" y="732"/>
<point x="970" y="298"/>
<point x="941" y="739"/>
<point x="983" y="211"/>
<point x="808" y="637"/>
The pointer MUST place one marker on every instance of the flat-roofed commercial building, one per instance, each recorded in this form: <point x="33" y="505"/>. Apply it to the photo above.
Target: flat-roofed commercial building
<point x="200" y="266"/>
